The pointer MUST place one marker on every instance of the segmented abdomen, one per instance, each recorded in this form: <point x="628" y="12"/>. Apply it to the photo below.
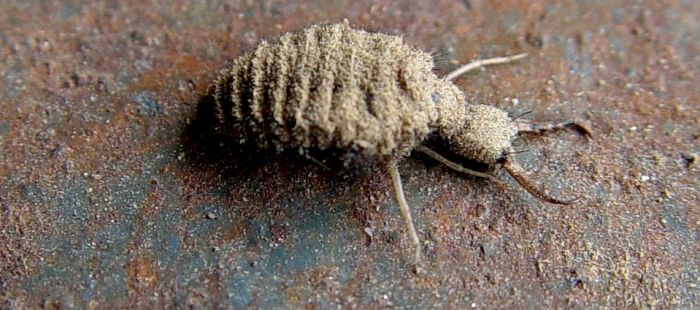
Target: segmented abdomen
<point x="330" y="86"/>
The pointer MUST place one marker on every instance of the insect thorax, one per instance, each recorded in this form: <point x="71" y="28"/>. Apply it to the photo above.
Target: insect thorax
<point x="486" y="135"/>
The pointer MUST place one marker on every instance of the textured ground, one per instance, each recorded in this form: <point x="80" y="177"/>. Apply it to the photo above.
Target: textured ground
<point x="112" y="194"/>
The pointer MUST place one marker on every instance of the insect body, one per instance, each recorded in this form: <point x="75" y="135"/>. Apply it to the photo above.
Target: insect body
<point x="334" y="87"/>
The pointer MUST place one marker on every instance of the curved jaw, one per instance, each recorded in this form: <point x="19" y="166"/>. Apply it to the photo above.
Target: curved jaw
<point x="517" y="173"/>
<point x="528" y="127"/>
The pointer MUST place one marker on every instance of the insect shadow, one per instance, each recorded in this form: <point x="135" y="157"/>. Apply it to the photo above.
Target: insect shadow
<point x="207" y="147"/>
<point x="349" y="180"/>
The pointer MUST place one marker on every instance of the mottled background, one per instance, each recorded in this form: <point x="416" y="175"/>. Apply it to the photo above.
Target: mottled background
<point x="112" y="194"/>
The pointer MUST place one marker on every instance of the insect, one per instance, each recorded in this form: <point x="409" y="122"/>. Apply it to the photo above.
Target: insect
<point x="334" y="87"/>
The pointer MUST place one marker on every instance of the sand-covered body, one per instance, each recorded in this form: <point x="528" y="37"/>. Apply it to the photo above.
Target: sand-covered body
<point x="331" y="86"/>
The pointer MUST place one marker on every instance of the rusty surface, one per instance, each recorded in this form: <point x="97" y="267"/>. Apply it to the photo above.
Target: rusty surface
<point x="112" y="195"/>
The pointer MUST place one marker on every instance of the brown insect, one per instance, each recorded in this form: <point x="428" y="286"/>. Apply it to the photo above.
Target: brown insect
<point x="334" y="87"/>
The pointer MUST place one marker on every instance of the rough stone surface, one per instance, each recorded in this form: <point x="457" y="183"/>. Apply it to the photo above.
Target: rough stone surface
<point x="111" y="195"/>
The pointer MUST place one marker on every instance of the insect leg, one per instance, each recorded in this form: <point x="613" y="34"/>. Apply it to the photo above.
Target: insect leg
<point x="453" y="165"/>
<point x="525" y="127"/>
<point x="481" y="63"/>
<point x="403" y="205"/>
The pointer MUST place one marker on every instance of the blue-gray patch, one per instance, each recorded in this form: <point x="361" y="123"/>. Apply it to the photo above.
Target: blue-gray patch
<point x="4" y="129"/>
<point x="147" y="103"/>
<point x="436" y="97"/>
